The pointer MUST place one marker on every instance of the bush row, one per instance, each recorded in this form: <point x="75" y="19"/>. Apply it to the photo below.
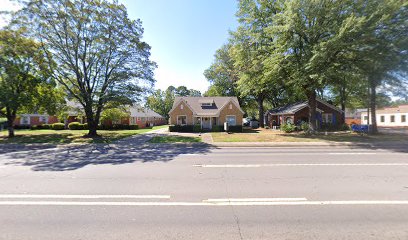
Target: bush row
<point x="197" y="128"/>
<point x="77" y="126"/>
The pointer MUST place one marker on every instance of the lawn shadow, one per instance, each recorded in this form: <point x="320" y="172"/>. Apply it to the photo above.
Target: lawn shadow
<point x="129" y="150"/>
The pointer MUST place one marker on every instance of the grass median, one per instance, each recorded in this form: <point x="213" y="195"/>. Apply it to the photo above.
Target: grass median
<point x="70" y="136"/>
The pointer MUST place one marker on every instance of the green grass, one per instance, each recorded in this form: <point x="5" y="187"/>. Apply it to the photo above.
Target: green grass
<point x="70" y="136"/>
<point x="265" y="135"/>
<point x="174" y="139"/>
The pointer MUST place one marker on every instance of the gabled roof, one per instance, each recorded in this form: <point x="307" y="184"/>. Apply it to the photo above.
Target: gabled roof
<point x="138" y="111"/>
<point x="211" y="107"/>
<point x="295" y="107"/>
<point x="288" y="109"/>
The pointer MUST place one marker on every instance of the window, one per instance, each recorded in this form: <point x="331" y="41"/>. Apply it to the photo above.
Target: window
<point x="289" y="120"/>
<point x="382" y="118"/>
<point x="198" y="120"/>
<point x="403" y="118"/>
<point x="230" y="106"/>
<point x="25" y="120"/>
<point x="206" y="104"/>
<point x="132" y="120"/>
<point x="43" y="119"/>
<point x="327" y="117"/>
<point x="181" y="106"/>
<point x="231" y="120"/>
<point x="392" y="118"/>
<point x="182" y="120"/>
<point x="365" y="118"/>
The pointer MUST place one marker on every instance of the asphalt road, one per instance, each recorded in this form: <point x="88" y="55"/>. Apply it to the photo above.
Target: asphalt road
<point x="124" y="192"/>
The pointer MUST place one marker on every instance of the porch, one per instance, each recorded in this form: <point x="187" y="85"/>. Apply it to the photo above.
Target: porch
<point x="206" y="122"/>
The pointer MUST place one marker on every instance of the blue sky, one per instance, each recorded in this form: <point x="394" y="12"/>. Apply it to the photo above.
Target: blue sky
<point x="184" y="35"/>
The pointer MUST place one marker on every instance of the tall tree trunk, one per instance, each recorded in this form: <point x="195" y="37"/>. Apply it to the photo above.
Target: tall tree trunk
<point x="260" y="101"/>
<point x="343" y="103"/>
<point x="311" y="101"/>
<point x="10" y="123"/>
<point x="92" y="124"/>
<point x="373" y="100"/>
<point x="92" y="128"/>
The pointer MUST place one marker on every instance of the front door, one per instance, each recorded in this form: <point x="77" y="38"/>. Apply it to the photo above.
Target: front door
<point x="206" y="123"/>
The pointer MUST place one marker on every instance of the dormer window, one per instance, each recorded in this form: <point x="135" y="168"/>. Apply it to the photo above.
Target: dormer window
<point x="206" y="102"/>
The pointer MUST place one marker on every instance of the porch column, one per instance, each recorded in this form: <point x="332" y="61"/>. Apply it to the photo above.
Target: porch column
<point x="201" y="122"/>
<point x="210" y="122"/>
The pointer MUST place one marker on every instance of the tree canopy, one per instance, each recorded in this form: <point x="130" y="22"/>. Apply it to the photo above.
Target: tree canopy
<point x="98" y="51"/>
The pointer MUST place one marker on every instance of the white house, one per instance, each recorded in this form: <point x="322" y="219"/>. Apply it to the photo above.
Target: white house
<point x="389" y="116"/>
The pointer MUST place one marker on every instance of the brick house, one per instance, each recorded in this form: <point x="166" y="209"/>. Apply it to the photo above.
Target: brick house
<point x="327" y="114"/>
<point x="206" y="111"/>
<point x="142" y="117"/>
<point x="34" y="119"/>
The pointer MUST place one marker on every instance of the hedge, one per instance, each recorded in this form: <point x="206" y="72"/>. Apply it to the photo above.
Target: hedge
<point x="58" y="126"/>
<point x="75" y="126"/>
<point x="197" y="128"/>
<point x="237" y="128"/>
<point x="118" y="127"/>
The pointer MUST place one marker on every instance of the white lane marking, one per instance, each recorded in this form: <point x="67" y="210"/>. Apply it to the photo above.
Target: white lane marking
<point x="351" y="153"/>
<point x="54" y="196"/>
<point x="253" y="199"/>
<point x="295" y="203"/>
<point x="294" y="165"/>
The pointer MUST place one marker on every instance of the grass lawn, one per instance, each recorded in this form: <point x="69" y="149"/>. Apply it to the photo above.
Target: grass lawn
<point x="70" y="136"/>
<point x="174" y="139"/>
<point x="267" y="135"/>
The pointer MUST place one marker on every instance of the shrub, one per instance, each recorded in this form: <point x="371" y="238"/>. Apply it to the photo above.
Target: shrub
<point x="34" y="127"/>
<point x="196" y="128"/>
<point x="288" y="128"/>
<point x="179" y="128"/>
<point x="218" y="128"/>
<point x="58" y="126"/>
<point x="237" y="128"/>
<point x="344" y="127"/>
<point x="46" y="126"/>
<point x="304" y="126"/>
<point x="133" y="127"/>
<point x="75" y="126"/>
<point x="21" y="127"/>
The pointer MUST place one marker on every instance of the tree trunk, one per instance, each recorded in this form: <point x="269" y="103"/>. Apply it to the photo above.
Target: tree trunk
<point x="261" y="111"/>
<point x="373" y="100"/>
<point x="10" y="123"/>
<point x="92" y="128"/>
<point x="343" y="103"/>
<point x="311" y="101"/>
<point x="92" y="123"/>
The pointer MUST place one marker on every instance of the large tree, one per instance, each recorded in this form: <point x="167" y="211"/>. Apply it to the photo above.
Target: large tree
<point x="24" y="77"/>
<point x="162" y="101"/>
<point x="98" y="49"/>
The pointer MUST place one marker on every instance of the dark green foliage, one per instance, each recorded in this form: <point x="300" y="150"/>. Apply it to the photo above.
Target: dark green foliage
<point x="237" y="128"/>
<point x="133" y="127"/>
<point x="75" y="126"/>
<point x="46" y="126"/>
<point x="197" y="128"/>
<point x="179" y="128"/>
<point x="217" y="128"/>
<point x="58" y="126"/>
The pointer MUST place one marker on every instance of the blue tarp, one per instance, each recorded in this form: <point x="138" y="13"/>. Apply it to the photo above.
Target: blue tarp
<point x="359" y="128"/>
